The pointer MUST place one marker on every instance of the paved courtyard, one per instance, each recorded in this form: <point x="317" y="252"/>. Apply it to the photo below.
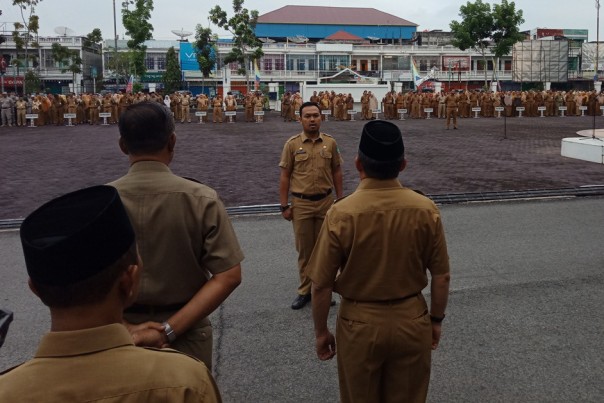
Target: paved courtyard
<point x="240" y="160"/>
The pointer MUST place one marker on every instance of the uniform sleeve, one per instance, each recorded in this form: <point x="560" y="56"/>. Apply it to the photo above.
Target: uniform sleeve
<point x="439" y="258"/>
<point x="286" y="158"/>
<point x="336" y="159"/>
<point x="221" y="249"/>
<point x="327" y="255"/>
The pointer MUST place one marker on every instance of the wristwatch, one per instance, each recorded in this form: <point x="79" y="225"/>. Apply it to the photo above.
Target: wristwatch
<point x="169" y="332"/>
<point x="436" y="319"/>
<point x="284" y="208"/>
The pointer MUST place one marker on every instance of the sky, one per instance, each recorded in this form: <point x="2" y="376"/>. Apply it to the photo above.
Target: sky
<point x="82" y="16"/>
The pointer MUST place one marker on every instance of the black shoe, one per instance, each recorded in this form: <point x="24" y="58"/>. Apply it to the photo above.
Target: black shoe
<point x="300" y="301"/>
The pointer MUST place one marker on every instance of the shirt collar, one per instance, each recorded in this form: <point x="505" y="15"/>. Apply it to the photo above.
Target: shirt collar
<point x="372" y="183"/>
<point x="86" y="341"/>
<point x="305" y="138"/>
<point x="145" y="166"/>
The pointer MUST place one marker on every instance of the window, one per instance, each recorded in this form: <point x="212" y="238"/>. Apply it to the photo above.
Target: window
<point x="150" y="63"/>
<point x="374" y="65"/>
<point x="279" y="64"/>
<point x="268" y="64"/>
<point x="161" y="62"/>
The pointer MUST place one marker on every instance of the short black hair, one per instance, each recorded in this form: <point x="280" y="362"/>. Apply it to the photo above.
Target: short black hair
<point x="146" y="127"/>
<point x="89" y="291"/>
<point x="380" y="169"/>
<point x="307" y="104"/>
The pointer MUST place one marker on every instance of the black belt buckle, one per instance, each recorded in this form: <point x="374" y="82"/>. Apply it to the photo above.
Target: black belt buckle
<point x="315" y="197"/>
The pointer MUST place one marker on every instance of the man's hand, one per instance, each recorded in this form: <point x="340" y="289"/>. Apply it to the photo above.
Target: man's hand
<point x="147" y="334"/>
<point x="326" y="346"/>
<point x="436" y="331"/>
<point x="288" y="214"/>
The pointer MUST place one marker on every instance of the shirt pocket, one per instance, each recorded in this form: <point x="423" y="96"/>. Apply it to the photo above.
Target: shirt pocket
<point x="302" y="157"/>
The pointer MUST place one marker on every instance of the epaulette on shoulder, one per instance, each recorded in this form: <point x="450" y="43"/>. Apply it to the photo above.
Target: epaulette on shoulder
<point x="327" y="135"/>
<point x="295" y="136"/>
<point x="171" y="351"/>
<point x="341" y="198"/>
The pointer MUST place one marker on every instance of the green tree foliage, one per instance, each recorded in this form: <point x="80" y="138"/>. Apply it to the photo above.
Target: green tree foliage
<point x="25" y="35"/>
<point x="172" y="77"/>
<point x="205" y="49"/>
<point x="246" y="46"/>
<point x="138" y="27"/>
<point x="482" y="28"/>
<point x="475" y="29"/>
<point x="68" y="59"/>
<point x="506" y="27"/>
<point x="119" y="64"/>
<point x="94" y="37"/>
<point x="32" y="82"/>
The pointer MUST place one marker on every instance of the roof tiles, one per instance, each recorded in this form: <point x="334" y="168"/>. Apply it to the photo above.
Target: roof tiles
<point x="318" y="15"/>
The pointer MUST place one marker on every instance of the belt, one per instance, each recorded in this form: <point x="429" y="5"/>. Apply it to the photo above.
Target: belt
<point x="387" y="301"/>
<point x="315" y="197"/>
<point x="153" y="309"/>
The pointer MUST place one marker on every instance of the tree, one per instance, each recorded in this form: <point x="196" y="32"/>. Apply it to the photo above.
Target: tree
<point x="246" y="46"/>
<point x="68" y="60"/>
<point x="139" y="29"/>
<point x="32" y="82"/>
<point x="506" y="31"/>
<point x="172" y="77"/>
<point x="205" y="49"/>
<point x="93" y="38"/>
<point x="475" y="29"/>
<point x="483" y="28"/>
<point x="31" y="25"/>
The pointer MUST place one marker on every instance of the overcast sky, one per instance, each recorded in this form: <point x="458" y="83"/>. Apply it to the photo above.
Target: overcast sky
<point x="84" y="15"/>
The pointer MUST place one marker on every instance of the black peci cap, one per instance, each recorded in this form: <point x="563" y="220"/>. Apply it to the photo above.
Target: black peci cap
<point x="382" y="141"/>
<point x="75" y="236"/>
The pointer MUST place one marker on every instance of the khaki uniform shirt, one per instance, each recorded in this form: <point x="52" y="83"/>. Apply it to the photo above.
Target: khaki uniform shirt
<point x="383" y="237"/>
<point x="102" y="364"/>
<point x="310" y="163"/>
<point x="182" y="231"/>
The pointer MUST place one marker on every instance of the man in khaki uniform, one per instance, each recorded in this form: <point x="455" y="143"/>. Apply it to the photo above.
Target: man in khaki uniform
<point x="217" y="109"/>
<point x="21" y="106"/>
<point x="310" y="169"/>
<point x="191" y="254"/>
<point x="374" y="249"/>
<point x="185" y="113"/>
<point x="451" y="102"/>
<point x="82" y="262"/>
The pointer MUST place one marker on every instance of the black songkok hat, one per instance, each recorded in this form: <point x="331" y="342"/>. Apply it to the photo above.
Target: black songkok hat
<point x="382" y="141"/>
<point x="75" y="236"/>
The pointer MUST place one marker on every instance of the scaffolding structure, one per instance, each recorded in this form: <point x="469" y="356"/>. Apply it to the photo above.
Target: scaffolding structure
<point x="540" y="61"/>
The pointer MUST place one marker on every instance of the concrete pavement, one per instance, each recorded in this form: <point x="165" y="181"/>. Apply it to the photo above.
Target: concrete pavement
<point x="523" y="322"/>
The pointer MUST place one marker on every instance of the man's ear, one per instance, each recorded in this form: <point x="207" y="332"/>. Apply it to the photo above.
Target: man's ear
<point x="357" y="164"/>
<point x="123" y="146"/>
<point x="128" y="283"/>
<point x="403" y="165"/>
<point x="32" y="287"/>
<point x="171" y="142"/>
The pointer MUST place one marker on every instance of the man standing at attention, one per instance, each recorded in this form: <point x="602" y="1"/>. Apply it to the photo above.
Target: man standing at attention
<point x="82" y="263"/>
<point x="185" y="238"/>
<point x="374" y="249"/>
<point x="310" y="170"/>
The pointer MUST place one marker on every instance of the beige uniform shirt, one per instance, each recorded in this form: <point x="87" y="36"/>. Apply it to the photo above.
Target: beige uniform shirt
<point x="310" y="163"/>
<point x="383" y="238"/>
<point x="182" y="230"/>
<point x="102" y="364"/>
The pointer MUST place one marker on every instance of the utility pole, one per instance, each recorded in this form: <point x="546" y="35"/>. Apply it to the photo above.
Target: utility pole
<point x="597" y="76"/>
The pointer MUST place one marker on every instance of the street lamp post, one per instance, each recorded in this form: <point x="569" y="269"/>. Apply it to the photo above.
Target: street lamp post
<point x="597" y="76"/>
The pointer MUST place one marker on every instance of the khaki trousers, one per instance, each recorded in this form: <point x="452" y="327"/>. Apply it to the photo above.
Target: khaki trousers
<point x="384" y="351"/>
<point x="307" y="220"/>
